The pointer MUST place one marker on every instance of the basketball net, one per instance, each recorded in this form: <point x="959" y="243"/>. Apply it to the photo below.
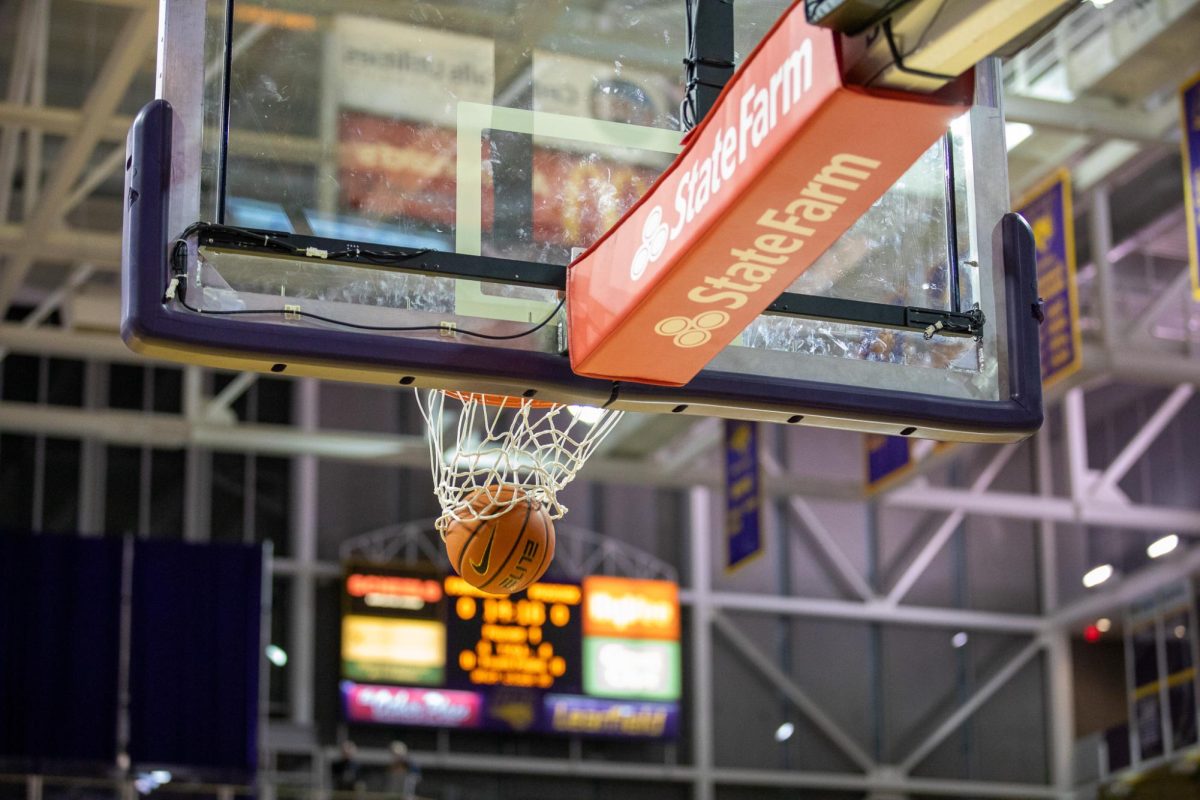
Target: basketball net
<point x="479" y="441"/>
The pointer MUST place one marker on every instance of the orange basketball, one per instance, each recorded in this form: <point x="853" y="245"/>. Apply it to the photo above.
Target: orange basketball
<point x="505" y="554"/>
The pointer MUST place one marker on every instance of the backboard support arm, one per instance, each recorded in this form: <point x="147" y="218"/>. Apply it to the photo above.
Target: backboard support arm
<point x="709" y="61"/>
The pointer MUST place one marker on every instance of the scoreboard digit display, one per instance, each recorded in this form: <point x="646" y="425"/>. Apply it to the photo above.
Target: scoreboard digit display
<point x="532" y="641"/>
<point x="597" y="658"/>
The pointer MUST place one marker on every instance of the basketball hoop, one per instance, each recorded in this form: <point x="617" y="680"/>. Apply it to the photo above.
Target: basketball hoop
<point x="480" y="444"/>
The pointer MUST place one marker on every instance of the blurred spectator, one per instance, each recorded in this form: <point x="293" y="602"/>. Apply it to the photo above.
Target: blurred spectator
<point x="347" y="774"/>
<point x="403" y="775"/>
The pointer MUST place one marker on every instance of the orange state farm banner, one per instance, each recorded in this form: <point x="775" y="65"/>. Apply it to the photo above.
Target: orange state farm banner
<point x="783" y="165"/>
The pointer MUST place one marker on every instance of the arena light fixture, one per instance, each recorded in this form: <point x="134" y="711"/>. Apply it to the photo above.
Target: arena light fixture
<point x="959" y="640"/>
<point x="1160" y="547"/>
<point x="784" y="732"/>
<point x="1097" y="575"/>
<point x="277" y="655"/>
<point x="1104" y="624"/>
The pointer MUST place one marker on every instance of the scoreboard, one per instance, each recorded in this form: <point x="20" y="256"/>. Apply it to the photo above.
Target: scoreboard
<point x="598" y="657"/>
<point x="532" y="641"/>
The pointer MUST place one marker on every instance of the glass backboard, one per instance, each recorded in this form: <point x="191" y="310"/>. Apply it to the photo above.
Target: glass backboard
<point x="391" y="192"/>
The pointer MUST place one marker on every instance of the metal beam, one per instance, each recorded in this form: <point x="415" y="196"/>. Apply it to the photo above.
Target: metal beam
<point x="700" y="539"/>
<point x="52" y="301"/>
<point x="173" y="431"/>
<point x="1059" y="703"/>
<point x="99" y="248"/>
<point x="230" y="394"/>
<point x="1016" y="505"/>
<point x="57" y="342"/>
<point x="981" y="696"/>
<point x="19" y="81"/>
<point x="815" y="608"/>
<point x="1168" y="296"/>
<point x="134" y="44"/>
<point x="35" y="139"/>
<point x="829" y="546"/>
<point x="815" y="714"/>
<point x="704" y="435"/>
<point x="305" y="507"/>
<point x="1145" y="365"/>
<point x="881" y="781"/>
<point x="1114" y="595"/>
<point x="135" y="39"/>
<point x="59" y="121"/>
<point x="1075" y="420"/>
<point x="1142" y="440"/>
<point x="68" y="121"/>
<point x="942" y="535"/>
<point x="820" y="535"/>
<point x="875" y="611"/>
<point x="1100" y="228"/>
<point x="109" y="166"/>
<point x="1093" y="119"/>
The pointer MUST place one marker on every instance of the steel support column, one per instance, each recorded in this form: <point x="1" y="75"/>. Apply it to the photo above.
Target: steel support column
<point x="305" y="487"/>
<point x="1059" y="702"/>
<point x="1102" y="245"/>
<point x="197" y="485"/>
<point x="701" y="541"/>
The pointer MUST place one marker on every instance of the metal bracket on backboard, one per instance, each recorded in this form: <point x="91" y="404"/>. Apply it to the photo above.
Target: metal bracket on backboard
<point x="952" y="323"/>
<point x="709" y="64"/>
<point x="929" y="321"/>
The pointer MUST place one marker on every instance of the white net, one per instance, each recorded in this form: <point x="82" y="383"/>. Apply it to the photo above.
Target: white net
<point x="480" y="444"/>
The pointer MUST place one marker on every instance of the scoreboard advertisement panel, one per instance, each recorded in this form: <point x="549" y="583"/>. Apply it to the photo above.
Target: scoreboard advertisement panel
<point x="595" y="658"/>
<point x="392" y="628"/>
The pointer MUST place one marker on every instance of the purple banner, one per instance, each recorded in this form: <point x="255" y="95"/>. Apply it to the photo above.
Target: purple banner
<point x="887" y="457"/>
<point x="743" y="493"/>
<point x="590" y="716"/>
<point x="1048" y="212"/>
<point x="1190" y="110"/>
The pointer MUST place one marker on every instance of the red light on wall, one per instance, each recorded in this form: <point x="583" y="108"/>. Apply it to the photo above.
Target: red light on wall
<point x="1091" y="633"/>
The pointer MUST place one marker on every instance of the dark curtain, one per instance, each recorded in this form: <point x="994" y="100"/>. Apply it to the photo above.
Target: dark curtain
<point x="195" y="656"/>
<point x="60" y="606"/>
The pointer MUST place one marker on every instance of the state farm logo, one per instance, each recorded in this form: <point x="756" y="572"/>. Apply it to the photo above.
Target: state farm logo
<point x="655" y="235"/>
<point x="692" y="331"/>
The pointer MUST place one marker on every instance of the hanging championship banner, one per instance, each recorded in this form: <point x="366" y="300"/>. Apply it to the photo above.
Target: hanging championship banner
<point x="743" y="494"/>
<point x="887" y="458"/>
<point x="1189" y="100"/>
<point x="1047" y="209"/>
